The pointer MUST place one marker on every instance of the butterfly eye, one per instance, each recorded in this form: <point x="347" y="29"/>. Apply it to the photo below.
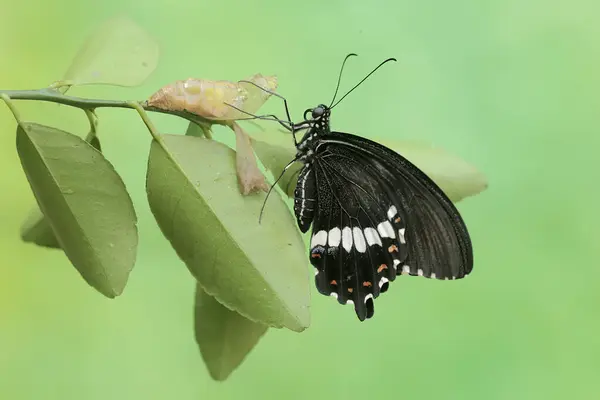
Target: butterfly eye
<point x="317" y="112"/>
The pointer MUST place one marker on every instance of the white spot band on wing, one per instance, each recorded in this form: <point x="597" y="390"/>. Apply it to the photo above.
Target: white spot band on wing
<point x="385" y="229"/>
<point x="401" y="235"/>
<point x="318" y="239"/>
<point x="392" y="212"/>
<point x="335" y="237"/>
<point x="359" y="240"/>
<point x="372" y="237"/>
<point x="347" y="238"/>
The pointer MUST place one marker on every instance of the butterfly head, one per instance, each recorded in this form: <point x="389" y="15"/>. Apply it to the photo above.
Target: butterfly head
<point x="319" y="116"/>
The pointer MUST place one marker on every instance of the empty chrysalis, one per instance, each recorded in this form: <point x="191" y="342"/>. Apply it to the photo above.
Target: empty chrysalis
<point x="210" y="98"/>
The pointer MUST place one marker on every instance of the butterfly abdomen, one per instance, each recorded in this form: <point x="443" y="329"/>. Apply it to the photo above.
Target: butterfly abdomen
<point x="305" y="199"/>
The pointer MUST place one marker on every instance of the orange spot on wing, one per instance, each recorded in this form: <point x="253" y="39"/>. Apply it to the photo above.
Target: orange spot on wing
<point x="381" y="268"/>
<point x="315" y="255"/>
<point x="397" y="220"/>
<point x="350" y="290"/>
<point x="333" y="282"/>
<point x="367" y="284"/>
<point x="392" y="248"/>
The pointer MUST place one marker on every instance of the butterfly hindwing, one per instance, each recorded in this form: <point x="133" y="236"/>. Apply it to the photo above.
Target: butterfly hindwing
<point x="356" y="243"/>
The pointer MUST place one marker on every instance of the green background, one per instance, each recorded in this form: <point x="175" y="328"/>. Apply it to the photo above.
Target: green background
<point x="511" y="86"/>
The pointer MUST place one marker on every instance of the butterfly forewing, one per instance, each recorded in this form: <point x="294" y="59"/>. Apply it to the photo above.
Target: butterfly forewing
<point x="437" y="240"/>
<point x="375" y="215"/>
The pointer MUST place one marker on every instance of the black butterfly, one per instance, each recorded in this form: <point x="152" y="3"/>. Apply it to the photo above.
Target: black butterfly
<point x="374" y="214"/>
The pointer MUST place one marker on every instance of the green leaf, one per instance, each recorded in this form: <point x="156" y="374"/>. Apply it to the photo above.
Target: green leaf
<point x="85" y="202"/>
<point x="224" y="337"/>
<point x="36" y="230"/>
<point x="194" y="129"/>
<point x="275" y="157"/>
<point x="118" y="52"/>
<point x="457" y="178"/>
<point x="258" y="270"/>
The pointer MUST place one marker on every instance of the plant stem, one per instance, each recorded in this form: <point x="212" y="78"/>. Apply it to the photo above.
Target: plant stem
<point x="147" y="121"/>
<point x="11" y="106"/>
<point x="93" y="122"/>
<point x="54" y="96"/>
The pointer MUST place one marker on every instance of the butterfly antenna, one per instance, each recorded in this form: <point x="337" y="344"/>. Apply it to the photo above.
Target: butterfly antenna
<point x="365" y="78"/>
<point x="262" y="209"/>
<point x="340" y="77"/>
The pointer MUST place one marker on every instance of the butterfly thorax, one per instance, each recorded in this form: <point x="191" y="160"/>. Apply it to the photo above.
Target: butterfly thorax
<point x="316" y="127"/>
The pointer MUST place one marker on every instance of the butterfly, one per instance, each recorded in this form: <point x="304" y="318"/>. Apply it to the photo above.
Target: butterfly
<point x="374" y="214"/>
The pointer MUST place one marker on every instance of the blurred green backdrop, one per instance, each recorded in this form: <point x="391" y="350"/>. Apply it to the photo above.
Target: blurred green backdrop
<point x="511" y="86"/>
